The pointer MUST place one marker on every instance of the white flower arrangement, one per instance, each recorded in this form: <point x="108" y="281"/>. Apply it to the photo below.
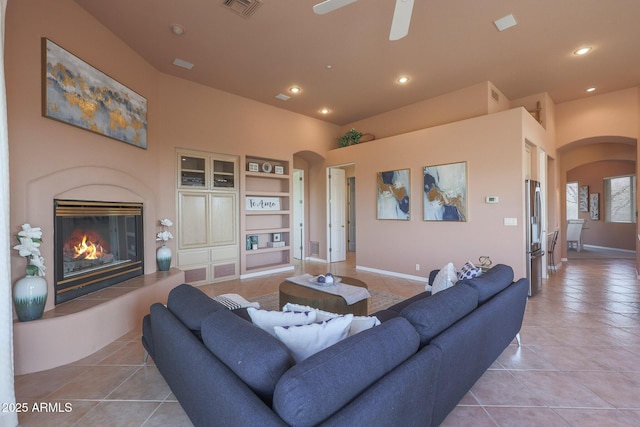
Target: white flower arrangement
<point x="30" y="239"/>
<point x="164" y="235"/>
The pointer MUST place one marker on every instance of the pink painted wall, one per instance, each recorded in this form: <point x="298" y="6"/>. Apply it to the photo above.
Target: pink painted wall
<point x="601" y="232"/>
<point x="610" y="114"/>
<point x="493" y="148"/>
<point x="465" y="103"/>
<point x="50" y="159"/>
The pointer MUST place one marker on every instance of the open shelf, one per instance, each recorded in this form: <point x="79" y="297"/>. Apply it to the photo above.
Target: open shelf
<point x="266" y="215"/>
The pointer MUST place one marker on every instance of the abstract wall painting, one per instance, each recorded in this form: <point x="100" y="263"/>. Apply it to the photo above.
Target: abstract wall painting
<point x="583" y="198"/>
<point x="594" y="206"/>
<point x="76" y="93"/>
<point x="445" y="192"/>
<point x="393" y="194"/>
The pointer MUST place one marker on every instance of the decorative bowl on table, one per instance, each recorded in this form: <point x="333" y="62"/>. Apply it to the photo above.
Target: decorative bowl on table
<point x="325" y="279"/>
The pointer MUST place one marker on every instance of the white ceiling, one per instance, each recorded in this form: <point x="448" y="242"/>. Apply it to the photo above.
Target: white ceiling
<point x="451" y="44"/>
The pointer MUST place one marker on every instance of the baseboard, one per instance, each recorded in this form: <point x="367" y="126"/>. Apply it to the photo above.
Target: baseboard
<point x="608" y="248"/>
<point x="392" y="273"/>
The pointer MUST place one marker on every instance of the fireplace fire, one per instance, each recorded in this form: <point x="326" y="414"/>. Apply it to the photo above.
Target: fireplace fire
<point x="97" y="244"/>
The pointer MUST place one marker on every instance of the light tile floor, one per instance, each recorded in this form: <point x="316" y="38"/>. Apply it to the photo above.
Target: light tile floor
<point x="579" y="364"/>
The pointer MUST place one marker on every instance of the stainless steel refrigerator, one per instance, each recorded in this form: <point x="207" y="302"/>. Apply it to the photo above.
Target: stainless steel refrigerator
<point x="534" y="253"/>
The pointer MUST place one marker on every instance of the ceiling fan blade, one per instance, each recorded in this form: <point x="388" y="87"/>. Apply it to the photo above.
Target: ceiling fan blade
<point x="331" y="5"/>
<point x="401" y="19"/>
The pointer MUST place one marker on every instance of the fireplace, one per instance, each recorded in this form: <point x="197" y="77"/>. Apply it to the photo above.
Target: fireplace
<point x="97" y="244"/>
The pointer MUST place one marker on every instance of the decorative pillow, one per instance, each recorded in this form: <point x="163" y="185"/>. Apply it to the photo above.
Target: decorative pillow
<point x="469" y="271"/>
<point x="306" y="340"/>
<point x="234" y="301"/>
<point x="359" y="323"/>
<point x="446" y="278"/>
<point x="267" y="320"/>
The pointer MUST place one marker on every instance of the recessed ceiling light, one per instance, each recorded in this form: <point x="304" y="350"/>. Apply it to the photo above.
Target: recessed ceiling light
<point x="582" y="51"/>
<point x="182" y="63"/>
<point x="325" y="111"/>
<point x="591" y="89"/>
<point x="403" y="79"/>
<point x="178" y="30"/>
<point x="505" y="22"/>
<point x="329" y="67"/>
<point x="294" y="89"/>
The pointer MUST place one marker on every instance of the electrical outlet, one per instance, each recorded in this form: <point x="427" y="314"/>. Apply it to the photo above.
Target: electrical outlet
<point x="417" y="267"/>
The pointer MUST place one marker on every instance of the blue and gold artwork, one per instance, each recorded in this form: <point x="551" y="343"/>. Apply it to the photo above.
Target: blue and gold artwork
<point x="393" y="194"/>
<point x="78" y="94"/>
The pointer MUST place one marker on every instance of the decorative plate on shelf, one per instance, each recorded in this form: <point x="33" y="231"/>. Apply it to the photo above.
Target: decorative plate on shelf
<point x="266" y="167"/>
<point x="314" y="280"/>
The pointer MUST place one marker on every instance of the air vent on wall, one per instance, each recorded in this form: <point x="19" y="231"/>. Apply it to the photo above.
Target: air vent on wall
<point x="244" y="8"/>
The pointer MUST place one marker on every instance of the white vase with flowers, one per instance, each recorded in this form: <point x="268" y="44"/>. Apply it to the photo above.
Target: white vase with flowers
<point x="163" y="254"/>
<point x="30" y="292"/>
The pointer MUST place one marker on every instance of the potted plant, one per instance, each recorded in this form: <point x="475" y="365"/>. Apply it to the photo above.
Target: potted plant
<point x="351" y="137"/>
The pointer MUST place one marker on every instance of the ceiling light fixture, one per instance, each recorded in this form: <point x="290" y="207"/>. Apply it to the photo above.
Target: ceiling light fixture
<point x="294" y="89"/>
<point x="403" y="79"/>
<point x="582" y="51"/>
<point x="325" y="111"/>
<point x="178" y="30"/>
<point x="591" y="89"/>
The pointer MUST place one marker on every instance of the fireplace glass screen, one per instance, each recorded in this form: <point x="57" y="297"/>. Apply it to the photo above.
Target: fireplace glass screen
<point x="97" y="244"/>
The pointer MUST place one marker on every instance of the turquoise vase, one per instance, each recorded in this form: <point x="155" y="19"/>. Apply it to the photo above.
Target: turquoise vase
<point x="30" y="297"/>
<point x="163" y="257"/>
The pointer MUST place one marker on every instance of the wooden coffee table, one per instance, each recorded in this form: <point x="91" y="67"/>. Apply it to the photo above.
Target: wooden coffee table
<point x="303" y="295"/>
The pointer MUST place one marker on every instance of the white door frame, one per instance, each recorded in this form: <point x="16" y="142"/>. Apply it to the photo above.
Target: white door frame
<point x="298" y="214"/>
<point x="336" y="215"/>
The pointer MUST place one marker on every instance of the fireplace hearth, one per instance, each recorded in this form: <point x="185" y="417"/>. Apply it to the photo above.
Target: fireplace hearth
<point x="97" y="244"/>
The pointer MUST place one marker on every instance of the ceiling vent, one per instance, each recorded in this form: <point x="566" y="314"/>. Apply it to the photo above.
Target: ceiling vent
<point x="244" y="8"/>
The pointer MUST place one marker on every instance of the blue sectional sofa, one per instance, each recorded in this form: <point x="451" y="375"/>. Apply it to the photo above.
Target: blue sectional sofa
<point x="411" y="370"/>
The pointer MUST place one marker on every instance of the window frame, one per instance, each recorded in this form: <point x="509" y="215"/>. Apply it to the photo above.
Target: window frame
<point x="606" y="185"/>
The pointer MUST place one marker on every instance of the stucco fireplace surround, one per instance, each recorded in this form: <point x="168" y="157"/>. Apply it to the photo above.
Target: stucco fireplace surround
<point x="68" y="331"/>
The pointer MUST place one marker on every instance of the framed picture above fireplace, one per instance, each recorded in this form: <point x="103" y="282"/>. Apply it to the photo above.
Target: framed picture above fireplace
<point x="78" y="94"/>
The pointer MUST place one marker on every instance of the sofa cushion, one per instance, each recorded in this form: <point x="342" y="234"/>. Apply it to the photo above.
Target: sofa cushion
<point x="491" y="282"/>
<point x="308" y="393"/>
<point x="432" y="315"/>
<point x="306" y="340"/>
<point x="402" y="304"/>
<point x="252" y="354"/>
<point x="190" y="305"/>
<point x="267" y="320"/>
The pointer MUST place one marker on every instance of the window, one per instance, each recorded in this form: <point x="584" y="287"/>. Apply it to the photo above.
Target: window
<point x="572" y="200"/>
<point x="620" y="199"/>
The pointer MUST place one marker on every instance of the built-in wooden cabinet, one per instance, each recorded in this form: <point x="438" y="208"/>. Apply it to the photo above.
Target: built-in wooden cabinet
<point x="208" y="216"/>
<point x="266" y="215"/>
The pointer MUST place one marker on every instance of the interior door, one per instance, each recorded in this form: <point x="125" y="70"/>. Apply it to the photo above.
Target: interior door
<point x="336" y="245"/>
<point x="298" y="214"/>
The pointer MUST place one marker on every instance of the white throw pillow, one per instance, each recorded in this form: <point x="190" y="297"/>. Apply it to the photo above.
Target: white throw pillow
<point x="446" y="278"/>
<point x="306" y="340"/>
<point x="267" y="320"/>
<point x="359" y="323"/>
